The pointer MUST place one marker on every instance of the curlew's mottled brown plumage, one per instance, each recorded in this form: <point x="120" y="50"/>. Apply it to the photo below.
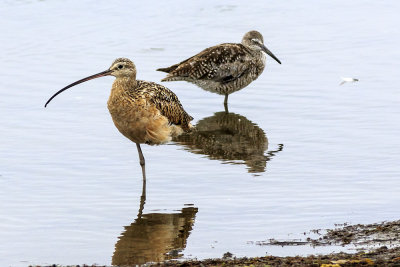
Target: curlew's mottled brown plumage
<point x="224" y="68"/>
<point x="144" y="112"/>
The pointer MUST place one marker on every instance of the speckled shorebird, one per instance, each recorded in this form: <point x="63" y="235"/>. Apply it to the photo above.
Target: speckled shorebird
<point x="224" y="68"/>
<point x="144" y="112"/>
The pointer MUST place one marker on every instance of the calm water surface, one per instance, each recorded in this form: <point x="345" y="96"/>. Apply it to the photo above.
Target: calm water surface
<point x="297" y="151"/>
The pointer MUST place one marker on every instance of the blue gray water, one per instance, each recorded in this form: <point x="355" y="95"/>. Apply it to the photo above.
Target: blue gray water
<point x="317" y="153"/>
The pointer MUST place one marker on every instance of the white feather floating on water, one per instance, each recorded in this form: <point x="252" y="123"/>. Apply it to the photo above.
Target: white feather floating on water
<point x="348" y="80"/>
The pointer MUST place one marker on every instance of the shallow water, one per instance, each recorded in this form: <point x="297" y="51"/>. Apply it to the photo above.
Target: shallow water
<point x="316" y="153"/>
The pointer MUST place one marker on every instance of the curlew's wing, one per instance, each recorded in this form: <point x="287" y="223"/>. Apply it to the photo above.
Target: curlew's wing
<point x="222" y="63"/>
<point x="168" y="104"/>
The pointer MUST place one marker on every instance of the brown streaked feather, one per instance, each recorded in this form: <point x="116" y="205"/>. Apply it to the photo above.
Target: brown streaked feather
<point x="173" y="67"/>
<point x="165" y="101"/>
<point x="217" y="63"/>
<point x="168" y="69"/>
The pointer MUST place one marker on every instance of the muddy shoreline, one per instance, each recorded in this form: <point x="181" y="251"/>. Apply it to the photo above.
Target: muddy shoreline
<point x="376" y="244"/>
<point x="378" y="257"/>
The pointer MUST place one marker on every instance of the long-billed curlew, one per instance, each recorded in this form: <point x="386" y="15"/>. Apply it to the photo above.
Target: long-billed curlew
<point x="224" y="68"/>
<point x="144" y="112"/>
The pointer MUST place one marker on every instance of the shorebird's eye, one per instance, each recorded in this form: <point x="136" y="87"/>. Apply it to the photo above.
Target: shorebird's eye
<point x="120" y="66"/>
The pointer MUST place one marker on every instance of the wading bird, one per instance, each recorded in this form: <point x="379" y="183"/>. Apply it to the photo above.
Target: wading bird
<point x="144" y="112"/>
<point x="224" y="68"/>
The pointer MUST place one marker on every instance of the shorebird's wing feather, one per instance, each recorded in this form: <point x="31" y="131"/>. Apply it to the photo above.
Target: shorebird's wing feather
<point x="168" y="104"/>
<point x="223" y="62"/>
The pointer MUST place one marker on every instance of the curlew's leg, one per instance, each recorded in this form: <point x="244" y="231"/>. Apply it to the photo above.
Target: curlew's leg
<point x="142" y="163"/>
<point x="142" y="199"/>
<point x="226" y="103"/>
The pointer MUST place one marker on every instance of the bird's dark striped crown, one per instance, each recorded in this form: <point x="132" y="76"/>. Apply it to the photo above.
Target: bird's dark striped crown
<point x="250" y="37"/>
<point x="123" y="67"/>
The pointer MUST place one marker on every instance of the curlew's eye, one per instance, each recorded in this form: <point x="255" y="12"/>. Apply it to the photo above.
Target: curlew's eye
<point x="120" y="66"/>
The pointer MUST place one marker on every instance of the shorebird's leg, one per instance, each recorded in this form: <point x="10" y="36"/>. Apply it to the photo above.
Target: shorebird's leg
<point x="142" y="199"/>
<point x="142" y="163"/>
<point x="226" y="103"/>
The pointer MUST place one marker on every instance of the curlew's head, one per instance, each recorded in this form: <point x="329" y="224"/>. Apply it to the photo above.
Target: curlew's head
<point x="255" y="41"/>
<point x="120" y="68"/>
<point x="123" y="68"/>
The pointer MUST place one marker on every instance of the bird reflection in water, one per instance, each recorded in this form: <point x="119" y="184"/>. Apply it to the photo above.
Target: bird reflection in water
<point x="230" y="137"/>
<point x="154" y="237"/>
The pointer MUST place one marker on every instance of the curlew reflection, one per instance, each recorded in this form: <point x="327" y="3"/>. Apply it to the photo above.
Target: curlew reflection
<point x="154" y="237"/>
<point x="230" y="137"/>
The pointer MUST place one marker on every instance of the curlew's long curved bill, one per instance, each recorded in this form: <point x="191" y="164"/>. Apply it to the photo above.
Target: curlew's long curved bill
<point x="266" y="50"/>
<point x="98" y="75"/>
